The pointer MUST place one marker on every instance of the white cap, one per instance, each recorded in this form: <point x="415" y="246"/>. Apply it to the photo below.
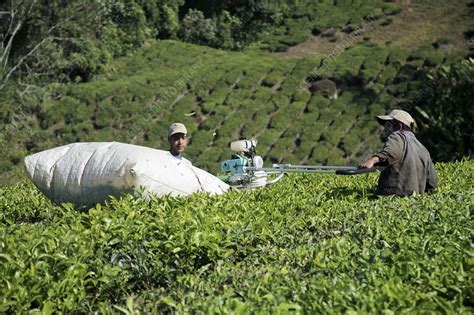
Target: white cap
<point x="399" y="115"/>
<point x="176" y="128"/>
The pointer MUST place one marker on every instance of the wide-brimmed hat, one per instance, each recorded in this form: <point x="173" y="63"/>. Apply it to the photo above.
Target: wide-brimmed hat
<point x="397" y="114"/>
<point x="176" y="128"/>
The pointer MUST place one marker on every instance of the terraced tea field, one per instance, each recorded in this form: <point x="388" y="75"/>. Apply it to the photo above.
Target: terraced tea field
<point x="222" y="96"/>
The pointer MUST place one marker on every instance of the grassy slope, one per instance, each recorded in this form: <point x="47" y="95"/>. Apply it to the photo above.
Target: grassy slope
<point x="224" y="95"/>
<point x="309" y="16"/>
<point x="423" y="23"/>
<point x="311" y="243"/>
<point x="418" y="24"/>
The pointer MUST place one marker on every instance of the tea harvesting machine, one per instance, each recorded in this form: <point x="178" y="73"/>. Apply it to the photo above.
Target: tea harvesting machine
<point x="245" y="168"/>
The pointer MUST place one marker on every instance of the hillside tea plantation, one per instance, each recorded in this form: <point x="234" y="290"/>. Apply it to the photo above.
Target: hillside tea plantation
<point x="222" y="96"/>
<point x="310" y="244"/>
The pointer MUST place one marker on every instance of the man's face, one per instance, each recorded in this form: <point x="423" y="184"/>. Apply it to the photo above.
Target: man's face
<point x="178" y="143"/>
<point x="389" y="127"/>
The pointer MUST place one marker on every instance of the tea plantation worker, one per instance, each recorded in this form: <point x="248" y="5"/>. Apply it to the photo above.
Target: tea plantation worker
<point x="409" y="166"/>
<point x="178" y="140"/>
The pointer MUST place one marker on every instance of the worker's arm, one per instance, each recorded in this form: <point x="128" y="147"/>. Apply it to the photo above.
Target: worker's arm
<point x="390" y="153"/>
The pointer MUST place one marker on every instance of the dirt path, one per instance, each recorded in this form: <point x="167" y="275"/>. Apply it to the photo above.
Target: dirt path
<point x="417" y="25"/>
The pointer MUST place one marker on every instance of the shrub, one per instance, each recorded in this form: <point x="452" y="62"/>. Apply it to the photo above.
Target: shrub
<point x="197" y="29"/>
<point x="387" y="75"/>
<point x="434" y="59"/>
<point x="296" y="108"/>
<point x="302" y="96"/>
<point x="320" y="153"/>
<point x="355" y="109"/>
<point x="391" y="8"/>
<point x="266" y="138"/>
<point x="263" y="94"/>
<point x="279" y="99"/>
<point x="249" y="82"/>
<point x="331" y="137"/>
<point x="207" y="107"/>
<point x="201" y="93"/>
<point x="369" y="71"/>
<point x="350" y="142"/>
<point x="272" y="78"/>
<point x="320" y="101"/>
<point x="232" y="76"/>
<point x="443" y="111"/>
<point x="222" y="111"/>
<point x="256" y="125"/>
<point x="279" y="122"/>
<point x="290" y="86"/>
<point x="312" y="106"/>
<point x="209" y="123"/>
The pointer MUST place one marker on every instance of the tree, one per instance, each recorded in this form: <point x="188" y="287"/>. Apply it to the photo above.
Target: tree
<point x="13" y="18"/>
<point x="444" y="114"/>
<point x="38" y="36"/>
<point x="197" y="29"/>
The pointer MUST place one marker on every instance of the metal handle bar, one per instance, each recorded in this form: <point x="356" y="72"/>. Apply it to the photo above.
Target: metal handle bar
<point x="341" y="170"/>
<point x="295" y="166"/>
<point x="356" y="171"/>
<point x="282" y="170"/>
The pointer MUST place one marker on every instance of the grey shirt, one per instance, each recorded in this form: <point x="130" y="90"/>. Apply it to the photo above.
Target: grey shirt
<point x="409" y="166"/>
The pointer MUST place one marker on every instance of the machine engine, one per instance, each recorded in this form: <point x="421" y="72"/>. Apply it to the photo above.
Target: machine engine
<point x="241" y="168"/>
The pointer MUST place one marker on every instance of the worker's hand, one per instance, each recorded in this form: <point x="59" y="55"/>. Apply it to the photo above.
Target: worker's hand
<point x="370" y="162"/>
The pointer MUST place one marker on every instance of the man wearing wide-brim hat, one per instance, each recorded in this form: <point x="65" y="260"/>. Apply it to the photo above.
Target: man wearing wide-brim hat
<point x="409" y="166"/>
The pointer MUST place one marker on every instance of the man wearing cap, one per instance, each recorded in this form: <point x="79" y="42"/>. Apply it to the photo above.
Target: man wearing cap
<point x="178" y="140"/>
<point x="409" y="166"/>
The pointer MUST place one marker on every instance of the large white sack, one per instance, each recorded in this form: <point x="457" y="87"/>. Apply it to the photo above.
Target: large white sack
<point x="87" y="173"/>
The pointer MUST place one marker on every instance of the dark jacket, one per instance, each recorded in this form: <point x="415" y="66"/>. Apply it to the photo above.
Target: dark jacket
<point x="409" y="166"/>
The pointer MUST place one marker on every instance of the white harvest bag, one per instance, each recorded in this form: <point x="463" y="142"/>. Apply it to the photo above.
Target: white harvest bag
<point x="87" y="173"/>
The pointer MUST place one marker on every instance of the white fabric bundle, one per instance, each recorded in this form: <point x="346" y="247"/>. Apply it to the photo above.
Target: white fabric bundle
<point x="87" y="173"/>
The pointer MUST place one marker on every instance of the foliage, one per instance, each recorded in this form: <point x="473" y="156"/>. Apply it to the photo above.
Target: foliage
<point x="444" y="111"/>
<point x="58" y="41"/>
<point x="54" y="41"/>
<point x="237" y="23"/>
<point x="196" y="29"/>
<point x="309" y="244"/>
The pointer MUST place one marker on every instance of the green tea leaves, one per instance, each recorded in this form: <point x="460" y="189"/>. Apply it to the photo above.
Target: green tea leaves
<point x="309" y="244"/>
